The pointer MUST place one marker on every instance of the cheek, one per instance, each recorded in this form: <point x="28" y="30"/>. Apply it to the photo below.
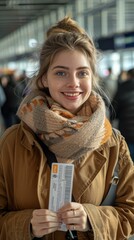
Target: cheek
<point x="53" y="89"/>
<point x="88" y="85"/>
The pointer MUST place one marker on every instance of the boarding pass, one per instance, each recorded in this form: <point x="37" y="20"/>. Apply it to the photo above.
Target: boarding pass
<point x="60" y="187"/>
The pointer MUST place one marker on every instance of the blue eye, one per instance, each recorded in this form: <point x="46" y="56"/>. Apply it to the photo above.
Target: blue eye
<point x="60" y="73"/>
<point x="83" y="74"/>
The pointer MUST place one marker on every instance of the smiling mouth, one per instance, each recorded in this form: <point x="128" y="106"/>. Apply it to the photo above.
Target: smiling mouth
<point x="72" y="94"/>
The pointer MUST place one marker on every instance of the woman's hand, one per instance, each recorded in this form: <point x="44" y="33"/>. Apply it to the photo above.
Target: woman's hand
<point x="44" y="222"/>
<point x="74" y="216"/>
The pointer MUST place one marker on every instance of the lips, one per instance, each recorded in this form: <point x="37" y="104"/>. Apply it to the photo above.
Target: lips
<point x="71" y="94"/>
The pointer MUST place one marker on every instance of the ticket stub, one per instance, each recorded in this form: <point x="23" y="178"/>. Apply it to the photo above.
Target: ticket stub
<point x="60" y="187"/>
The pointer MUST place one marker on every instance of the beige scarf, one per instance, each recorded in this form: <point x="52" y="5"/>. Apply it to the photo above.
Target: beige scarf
<point x="67" y="135"/>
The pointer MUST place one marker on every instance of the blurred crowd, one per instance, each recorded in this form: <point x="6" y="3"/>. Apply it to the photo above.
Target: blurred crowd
<point x="120" y="91"/>
<point x="12" y="87"/>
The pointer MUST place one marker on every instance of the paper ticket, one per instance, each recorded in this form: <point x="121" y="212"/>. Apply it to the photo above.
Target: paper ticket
<point x="60" y="187"/>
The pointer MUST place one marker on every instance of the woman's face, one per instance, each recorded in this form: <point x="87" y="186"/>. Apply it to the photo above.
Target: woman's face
<point x="69" y="79"/>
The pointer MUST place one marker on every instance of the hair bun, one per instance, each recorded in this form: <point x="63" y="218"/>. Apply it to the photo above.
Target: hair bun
<point x="67" y="24"/>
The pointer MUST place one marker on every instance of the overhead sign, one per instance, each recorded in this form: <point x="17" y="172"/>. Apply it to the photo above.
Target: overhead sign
<point x="117" y="41"/>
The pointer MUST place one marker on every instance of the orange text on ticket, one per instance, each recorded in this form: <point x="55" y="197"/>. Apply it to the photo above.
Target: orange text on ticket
<point x="55" y="168"/>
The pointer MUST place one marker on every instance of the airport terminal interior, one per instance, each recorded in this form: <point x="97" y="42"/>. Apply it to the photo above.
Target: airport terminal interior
<point x="23" y="25"/>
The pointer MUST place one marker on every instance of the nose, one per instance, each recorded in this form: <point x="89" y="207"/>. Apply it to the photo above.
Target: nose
<point x="73" y="81"/>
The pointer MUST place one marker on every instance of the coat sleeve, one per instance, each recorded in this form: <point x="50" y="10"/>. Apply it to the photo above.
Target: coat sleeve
<point x="116" y="222"/>
<point x="13" y="224"/>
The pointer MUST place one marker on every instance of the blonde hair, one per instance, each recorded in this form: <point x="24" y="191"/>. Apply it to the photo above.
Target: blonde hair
<point x="66" y="35"/>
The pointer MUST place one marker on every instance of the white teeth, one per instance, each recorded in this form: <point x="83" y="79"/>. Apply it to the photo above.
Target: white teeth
<point x="71" y="94"/>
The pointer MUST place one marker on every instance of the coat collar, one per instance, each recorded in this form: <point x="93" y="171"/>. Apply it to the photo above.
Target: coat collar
<point x="28" y="136"/>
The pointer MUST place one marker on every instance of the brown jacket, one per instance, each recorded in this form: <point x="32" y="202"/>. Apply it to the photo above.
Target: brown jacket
<point x="25" y="179"/>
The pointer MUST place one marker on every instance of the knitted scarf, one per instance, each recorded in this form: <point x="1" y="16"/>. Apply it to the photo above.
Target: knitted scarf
<point x="67" y="135"/>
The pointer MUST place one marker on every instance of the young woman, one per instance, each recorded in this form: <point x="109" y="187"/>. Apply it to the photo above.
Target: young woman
<point x="64" y="111"/>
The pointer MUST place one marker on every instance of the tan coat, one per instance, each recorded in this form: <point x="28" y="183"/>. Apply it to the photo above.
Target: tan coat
<point x="25" y="179"/>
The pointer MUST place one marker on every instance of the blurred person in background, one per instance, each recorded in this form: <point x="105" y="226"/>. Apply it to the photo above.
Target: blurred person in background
<point x="10" y="106"/>
<point x="109" y="84"/>
<point x="2" y="101"/>
<point x="122" y="77"/>
<point x="21" y="80"/>
<point x="123" y="105"/>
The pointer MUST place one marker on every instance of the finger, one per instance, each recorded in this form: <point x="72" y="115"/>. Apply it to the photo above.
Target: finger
<point x="77" y="220"/>
<point x="69" y="206"/>
<point x="40" y="229"/>
<point x="69" y="221"/>
<point x="44" y="219"/>
<point x="73" y="213"/>
<point x="77" y="227"/>
<point x="46" y="225"/>
<point x="42" y="212"/>
<point x="44" y="231"/>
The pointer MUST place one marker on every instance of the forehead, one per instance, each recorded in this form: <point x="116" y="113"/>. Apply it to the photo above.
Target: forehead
<point x="74" y="58"/>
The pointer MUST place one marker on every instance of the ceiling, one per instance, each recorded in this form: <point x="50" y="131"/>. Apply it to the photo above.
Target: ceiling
<point x="16" y="13"/>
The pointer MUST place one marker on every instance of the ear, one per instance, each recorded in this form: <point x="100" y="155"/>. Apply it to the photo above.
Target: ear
<point x="44" y="80"/>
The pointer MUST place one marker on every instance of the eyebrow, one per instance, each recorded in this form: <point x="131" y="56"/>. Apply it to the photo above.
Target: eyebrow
<point x="84" y="67"/>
